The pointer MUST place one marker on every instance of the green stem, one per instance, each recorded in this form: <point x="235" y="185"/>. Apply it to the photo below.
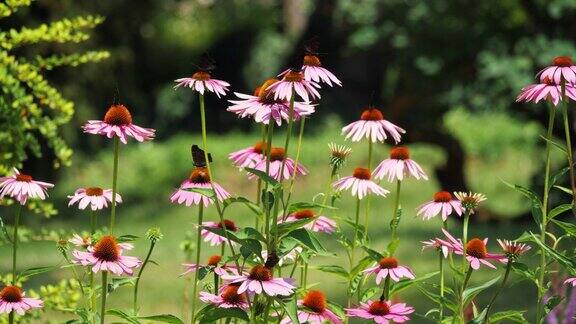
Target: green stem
<point x="441" y="259"/>
<point x="266" y="198"/>
<point x="465" y="238"/>
<point x="197" y="260"/>
<point x="210" y="175"/>
<point x="15" y="241"/>
<point x="464" y="284"/>
<point x="500" y="289"/>
<point x="114" y="183"/>
<point x="543" y="223"/>
<point x="369" y="198"/>
<point x="296" y="162"/>
<point x="152" y="243"/>
<point x="104" y="293"/>
<point x="569" y="146"/>
<point x="386" y="291"/>
<point x="356" y="221"/>
<point x="395" y="223"/>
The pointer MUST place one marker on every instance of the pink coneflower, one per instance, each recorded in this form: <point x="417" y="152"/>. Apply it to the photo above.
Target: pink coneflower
<point x="228" y="297"/>
<point x="513" y="249"/>
<point x="277" y="156"/>
<point x="97" y="198"/>
<point x="317" y="224"/>
<point x="382" y="311"/>
<point x="118" y="122"/>
<point x="81" y="241"/>
<point x="314" y="310"/>
<point x="21" y="186"/>
<point x="213" y="264"/>
<point x="476" y="252"/>
<point x="106" y="255"/>
<point x="214" y="238"/>
<point x="360" y="183"/>
<point x="263" y="107"/>
<point x="398" y="166"/>
<point x="443" y="204"/>
<point x="202" y="81"/>
<point x="373" y="127"/>
<point x="436" y="244"/>
<point x="199" y="178"/>
<point x="546" y="90"/>
<point x="570" y="281"/>
<point x="313" y="71"/>
<point x="260" y="280"/>
<point x="249" y="157"/>
<point x="305" y="89"/>
<point x="562" y="69"/>
<point x="12" y="300"/>
<point x="388" y="266"/>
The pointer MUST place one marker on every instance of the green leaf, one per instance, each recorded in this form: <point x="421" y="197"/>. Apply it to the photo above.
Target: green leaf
<point x="249" y="247"/>
<point x="561" y="147"/>
<point x="211" y="314"/>
<point x="375" y="255"/>
<point x="512" y="315"/>
<point x="263" y="176"/>
<point x="123" y="315"/>
<point x="562" y="259"/>
<point x="291" y="308"/>
<point x="559" y="210"/>
<point x="523" y="270"/>
<point x="267" y="195"/>
<point x="5" y="231"/>
<point x="307" y="239"/>
<point x="220" y="231"/>
<point x="208" y="192"/>
<point x="564" y="189"/>
<point x="164" y="318"/>
<point x="473" y="291"/>
<point x="120" y="282"/>
<point x="479" y="319"/>
<point x="557" y="176"/>
<point x="241" y="200"/>
<point x="536" y="202"/>
<point x="127" y="238"/>
<point x="569" y="228"/>
<point x="34" y="271"/>
<point x="286" y="227"/>
<point x="202" y="272"/>
<point x="253" y="233"/>
<point x="337" y="270"/>
<point x="307" y="205"/>
<point x="406" y="283"/>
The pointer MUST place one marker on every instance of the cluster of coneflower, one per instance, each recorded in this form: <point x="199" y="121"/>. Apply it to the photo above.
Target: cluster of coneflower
<point x="254" y="276"/>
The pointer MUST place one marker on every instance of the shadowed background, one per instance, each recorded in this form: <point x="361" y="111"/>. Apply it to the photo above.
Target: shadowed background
<point x="446" y="71"/>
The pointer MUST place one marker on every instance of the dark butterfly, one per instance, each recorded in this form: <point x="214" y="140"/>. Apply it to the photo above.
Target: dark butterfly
<point x="206" y="63"/>
<point x="198" y="157"/>
<point x="311" y="46"/>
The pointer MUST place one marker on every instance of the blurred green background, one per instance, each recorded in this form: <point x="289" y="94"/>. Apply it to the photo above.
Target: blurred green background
<point x="446" y="71"/>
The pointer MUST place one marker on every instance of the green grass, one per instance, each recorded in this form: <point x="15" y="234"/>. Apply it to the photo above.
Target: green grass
<point x="149" y="172"/>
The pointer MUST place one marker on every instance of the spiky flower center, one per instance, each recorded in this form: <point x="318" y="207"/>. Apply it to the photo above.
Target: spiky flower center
<point x="201" y="76"/>
<point x="294" y="76"/>
<point x="315" y="300"/>
<point x="118" y="115"/>
<point x="361" y="173"/>
<point x="388" y="263"/>
<point x="304" y="214"/>
<point x="259" y="147"/>
<point x="277" y="154"/>
<point x="312" y="60"/>
<point x="264" y="94"/>
<point x="379" y="308"/>
<point x="476" y="248"/>
<point x="442" y="196"/>
<point x="199" y="175"/>
<point x="400" y="153"/>
<point x="23" y="177"/>
<point x="260" y="273"/>
<point x="228" y="224"/>
<point x="230" y="295"/>
<point x="107" y="249"/>
<point x="214" y="260"/>
<point x="563" y="61"/>
<point x="11" y="294"/>
<point x="94" y="191"/>
<point x="372" y="114"/>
